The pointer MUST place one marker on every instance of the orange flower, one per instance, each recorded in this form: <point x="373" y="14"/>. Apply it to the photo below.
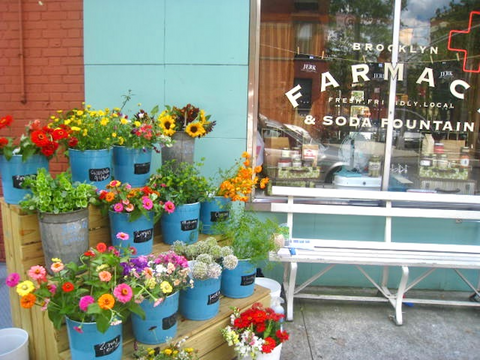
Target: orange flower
<point x="28" y="301"/>
<point x="106" y="302"/>
<point x="110" y="196"/>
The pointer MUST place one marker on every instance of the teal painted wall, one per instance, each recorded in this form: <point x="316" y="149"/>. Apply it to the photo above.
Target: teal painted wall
<point x="174" y="52"/>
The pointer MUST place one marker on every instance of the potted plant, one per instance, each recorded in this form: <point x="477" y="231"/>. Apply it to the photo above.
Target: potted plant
<point x="234" y="184"/>
<point x="132" y="213"/>
<point x="251" y="239"/>
<point x="173" y="351"/>
<point x="137" y="138"/>
<point x="91" y="135"/>
<point x="156" y="281"/>
<point x="184" y="125"/>
<point x="255" y="333"/>
<point x="62" y="209"/>
<point x="182" y="185"/>
<point x="207" y="260"/>
<point x="92" y="297"/>
<point x="23" y="155"/>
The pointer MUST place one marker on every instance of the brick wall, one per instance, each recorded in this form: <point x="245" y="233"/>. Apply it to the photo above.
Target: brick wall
<point x="49" y="39"/>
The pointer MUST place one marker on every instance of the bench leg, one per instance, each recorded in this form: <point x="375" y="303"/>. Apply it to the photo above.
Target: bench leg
<point x="399" y="300"/>
<point x="289" y="278"/>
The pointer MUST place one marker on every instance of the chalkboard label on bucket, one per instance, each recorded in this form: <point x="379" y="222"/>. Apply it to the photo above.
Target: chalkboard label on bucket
<point x="140" y="169"/>
<point x="219" y="215"/>
<point x="141" y="236"/>
<point x="187" y="225"/>
<point x="99" y="174"/>
<point x="169" y="321"/>
<point x="213" y="298"/>
<point x="248" y="280"/>
<point x="107" y="347"/>
<point x="17" y="180"/>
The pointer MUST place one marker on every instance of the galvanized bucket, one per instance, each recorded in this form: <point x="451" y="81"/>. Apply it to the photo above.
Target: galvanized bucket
<point x="64" y="235"/>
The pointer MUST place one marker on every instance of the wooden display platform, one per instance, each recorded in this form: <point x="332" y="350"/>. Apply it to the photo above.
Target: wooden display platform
<point x="23" y="249"/>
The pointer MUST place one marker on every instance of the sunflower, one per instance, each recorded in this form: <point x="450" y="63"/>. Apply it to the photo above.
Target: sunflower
<point x="195" y="130"/>
<point x="167" y="123"/>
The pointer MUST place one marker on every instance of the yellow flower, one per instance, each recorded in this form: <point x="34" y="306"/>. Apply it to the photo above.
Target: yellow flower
<point x="121" y="140"/>
<point x="167" y="351"/>
<point x="195" y="130"/>
<point x="137" y="123"/>
<point x="124" y="121"/>
<point x="166" y="287"/>
<point x="56" y="260"/>
<point x="114" y="135"/>
<point x="150" y="283"/>
<point x="104" y="121"/>
<point x="25" y="287"/>
<point x="79" y="112"/>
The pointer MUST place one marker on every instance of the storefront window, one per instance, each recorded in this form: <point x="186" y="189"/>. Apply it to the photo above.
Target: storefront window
<point x="325" y="74"/>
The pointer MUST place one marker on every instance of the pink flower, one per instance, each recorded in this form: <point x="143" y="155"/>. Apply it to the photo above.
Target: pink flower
<point x="118" y="207"/>
<point x="56" y="267"/>
<point x="37" y="272"/>
<point x="45" y="305"/>
<point x="147" y="203"/>
<point x="122" y="236"/>
<point x="85" y="301"/>
<point x="52" y="288"/>
<point x="158" y="302"/>
<point x="130" y="207"/>
<point x="105" y="276"/>
<point x="123" y="293"/>
<point x="12" y="280"/>
<point x="169" y="207"/>
<point x="114" y="183"/>
<point x="78" y="329"/>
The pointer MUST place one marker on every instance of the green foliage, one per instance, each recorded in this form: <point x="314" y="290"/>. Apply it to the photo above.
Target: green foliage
<point x="55" y="195"/>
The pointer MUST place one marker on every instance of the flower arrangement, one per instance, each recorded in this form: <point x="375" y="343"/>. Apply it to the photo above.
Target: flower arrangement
<point x="207" y="257"/>
<point x="254" y="331"/>
<point x="143" y="131"/>
<point x="154" y="277"/>
<point x="174" y="351"/>
<point x="93" y="291"/>
<point x="123" y="198"/>
<point x="55" y="195"/>
<point x="179" y="183"/>
<point x="88" y="129"/>
<point x="241" y="179"/>
<point x="37" y="139"/>
<point x="189" y="119"/>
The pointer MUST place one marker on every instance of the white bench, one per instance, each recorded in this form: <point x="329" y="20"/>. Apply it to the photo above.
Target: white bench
<point x="384" y="253"/>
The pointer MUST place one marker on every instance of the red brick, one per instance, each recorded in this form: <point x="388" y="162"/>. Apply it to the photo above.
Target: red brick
<point x="55" y="52"/>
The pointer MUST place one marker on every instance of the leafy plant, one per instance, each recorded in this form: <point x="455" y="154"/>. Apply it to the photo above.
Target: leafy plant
<point x="190" y="119"/>
<point x="180" y="183"/>
<point x="249" y="237"/>
<point x="36" y="140"/>
<point x="173" y="351"/>
<point x="55" y="195"/>
<point x="93" y="291"/>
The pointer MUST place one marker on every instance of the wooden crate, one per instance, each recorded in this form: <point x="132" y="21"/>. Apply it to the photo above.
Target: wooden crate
<point x="23" y="249"/>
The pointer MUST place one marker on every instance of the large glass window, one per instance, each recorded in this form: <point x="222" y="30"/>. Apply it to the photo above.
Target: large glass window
<point x="325" y="103"/>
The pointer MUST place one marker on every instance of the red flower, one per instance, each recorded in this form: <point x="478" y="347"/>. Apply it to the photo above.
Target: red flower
<point x="6" y="121"/>
<point x="282" y="335"/>
<point x="260" y="328"/>
<point x="101" y="247"/>
<point x="269" y="345"/>
<point x="89" y="253"/>
<point x="3" y="142"/>
<point x="68" y="286"/>
<point x="40" y="138"/>
<point x="72" y="142"/>
<point x="49" y="149"/>
<point x="59" y="134"/>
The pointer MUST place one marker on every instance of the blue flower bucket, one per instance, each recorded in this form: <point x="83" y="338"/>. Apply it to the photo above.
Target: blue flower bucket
<point x="91" y="166"/>
<point x="182" y="224"/>
<point x="131" y="165"/>
<point x="14" y="172"/>
<point x="240" y="282"/>
<point x="88" y="343"/>
<point x="201" y="302"/>
<point x="215" y="210"/>
<point x="160" y="321"/>
<point x="140" y="231"/>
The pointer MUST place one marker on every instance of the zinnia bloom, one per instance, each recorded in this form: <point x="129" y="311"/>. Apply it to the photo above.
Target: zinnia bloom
<point x="166" y="287"/>
<point x="106" y="302"/>
<point x="85" y="301"/>
<point x="39" y="138"/>
<point x="12" y="279"/>
<point x="123" y="293"/>
<point x="105" y="276"/>
<point x="37" y="272"/>
<point x="25" y="287"/>
<point x="122" y="236"/>
<point x="68" y="286"/>
<point x="56" y="267"/>
<point x="147" y="203"/>
<point x="28" y="301"/>
<point x="169" y="207"/>
<point x="6" y="121"/>
<point x="101" y="247"/>
<point x="118" y="207"/>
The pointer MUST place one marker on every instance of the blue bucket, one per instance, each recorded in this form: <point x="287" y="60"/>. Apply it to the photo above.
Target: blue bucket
<point x="160" y="322"/>
<point x="91" y="166"/>
<point x="14" y="172"/>
<point x="131" y="165"/>
<point x="213" y="211"/>
<point x="182" y="224"/>
<point x="140" y="231"/>
<point x="240" y="282"/>
<point x="201" y="302"/>
<point x="89" y="343"/>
